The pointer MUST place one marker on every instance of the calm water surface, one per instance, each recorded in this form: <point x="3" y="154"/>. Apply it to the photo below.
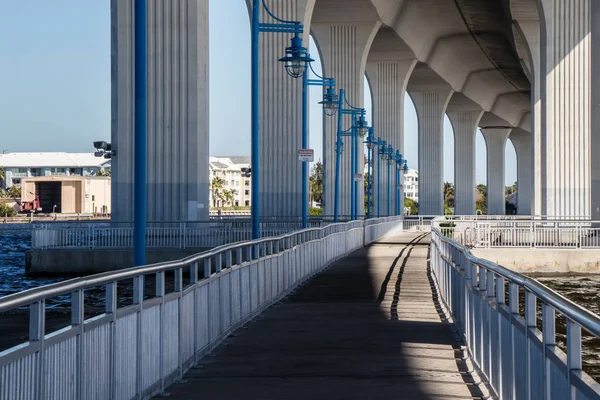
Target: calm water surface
<point x="15" y="239"/>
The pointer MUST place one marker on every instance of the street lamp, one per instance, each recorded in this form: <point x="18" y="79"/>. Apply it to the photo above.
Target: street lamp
<point x="382" y="152"/>
<point x="360" y="128"/>
<point x="296" y="59"/>
<point x="330" y="106"/>
<point x="399" y="160"/>
<point x="390" y="160"/>
<point x="370" y="144"/>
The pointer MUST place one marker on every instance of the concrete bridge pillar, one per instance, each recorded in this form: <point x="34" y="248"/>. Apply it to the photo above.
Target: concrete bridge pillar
<point x="522" y="142"/>
<point x="465" y="125"/>
<point x="177" y="119"/>
<point x="280" y="108"/>
<point x="344" y="47"/>
<point x="431" y="107"/>
<point x="495" y="140"/>
<point x="570" y="181"/>
<point x="526" y="29"/>
<point x="389" y="67"/>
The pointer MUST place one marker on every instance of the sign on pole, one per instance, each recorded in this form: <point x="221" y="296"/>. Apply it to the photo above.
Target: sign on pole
<point x="306" y="155"/>
<point x="358" y="177"/>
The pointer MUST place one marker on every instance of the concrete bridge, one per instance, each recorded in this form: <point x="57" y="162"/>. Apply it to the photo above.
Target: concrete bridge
<point x="521" y="70"/>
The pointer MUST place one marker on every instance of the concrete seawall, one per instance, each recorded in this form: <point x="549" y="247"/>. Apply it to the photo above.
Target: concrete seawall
<point x="54" y="262"/>
<point x="544" y="261"/>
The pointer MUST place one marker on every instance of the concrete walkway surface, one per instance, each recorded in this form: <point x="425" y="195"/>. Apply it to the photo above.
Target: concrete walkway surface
<point x="366" y="328"/>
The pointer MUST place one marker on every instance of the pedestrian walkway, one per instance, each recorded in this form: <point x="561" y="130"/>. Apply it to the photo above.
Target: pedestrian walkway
<point x="366" y="328"/>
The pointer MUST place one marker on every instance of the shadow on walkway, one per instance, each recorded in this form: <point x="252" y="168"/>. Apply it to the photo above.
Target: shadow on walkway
<point x="366" y="328"/>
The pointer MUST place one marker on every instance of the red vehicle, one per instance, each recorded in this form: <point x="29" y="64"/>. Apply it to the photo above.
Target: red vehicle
<point x="31" y="206"/>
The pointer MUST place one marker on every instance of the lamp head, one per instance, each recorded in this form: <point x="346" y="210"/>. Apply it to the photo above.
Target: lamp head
<point x="405" y="167"/>
<point x="330" y="101"/>
<point x="362" y="126"/>
<point x="296" y="58"/>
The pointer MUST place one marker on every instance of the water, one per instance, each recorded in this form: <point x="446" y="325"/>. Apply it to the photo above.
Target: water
<point x="15" y="240"/>
<point x="584" y="291"/>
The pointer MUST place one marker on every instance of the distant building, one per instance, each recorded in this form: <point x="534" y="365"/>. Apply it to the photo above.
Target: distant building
<point x="69" y="194"/>
<point x="411" y="185"/>
<point x="27" y="165"/>
<point x="229" y="169"/>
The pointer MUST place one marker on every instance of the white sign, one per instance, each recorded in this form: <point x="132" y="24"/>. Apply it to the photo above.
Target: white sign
<point x="306" y="155"/>
<point x="357" y="177"/>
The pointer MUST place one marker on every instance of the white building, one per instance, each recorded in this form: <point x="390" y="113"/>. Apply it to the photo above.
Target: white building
<point x="411" y="185"/>
<point x="229" y="169"/>
<point x="28" y="165"/>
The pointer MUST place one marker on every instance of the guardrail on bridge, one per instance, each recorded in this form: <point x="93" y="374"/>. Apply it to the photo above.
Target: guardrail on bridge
<point x="137" y="350"/>
<point x="519" y="360"/>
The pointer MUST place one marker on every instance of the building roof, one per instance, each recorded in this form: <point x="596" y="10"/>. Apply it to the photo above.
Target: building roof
<point x="232" y="163"/>
<point x="38" y="160"/>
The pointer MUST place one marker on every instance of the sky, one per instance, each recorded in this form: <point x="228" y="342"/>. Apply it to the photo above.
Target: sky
<point x="55" y="83"/>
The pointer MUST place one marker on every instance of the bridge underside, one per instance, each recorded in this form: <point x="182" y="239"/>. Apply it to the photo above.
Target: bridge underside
<point x="367" y="327"/>
<point x="519" y="69"/>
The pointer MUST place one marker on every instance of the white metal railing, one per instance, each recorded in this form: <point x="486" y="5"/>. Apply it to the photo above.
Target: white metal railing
<point x="419" y="223"/>
<point x="137" y="350"/>
<point x="519" y="360"/>
<point x="527" y="232"/>
<point x="179" y="235"/>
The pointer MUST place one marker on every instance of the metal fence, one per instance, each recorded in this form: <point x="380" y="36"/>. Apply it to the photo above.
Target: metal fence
<point x="542" y="232"/>
<point x="175" y="235"/>
<point x="179" y="235"/>
<point x="137" y="350"/>
<point x="519" y="360"/>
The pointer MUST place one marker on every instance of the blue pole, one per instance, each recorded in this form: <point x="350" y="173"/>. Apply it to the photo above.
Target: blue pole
<point x="356" y="197"/>
<point x="139" y="170"/>
<point x="255" y="124"/>
<point x="397" y="190"/>
<point x="338" y="158"/>
<point x="304" y="146"/>
<point x="389" y="188"/>
<point x="378" y="185"/>
<point x="352" y="182"/>
<point x="370" y="181"/>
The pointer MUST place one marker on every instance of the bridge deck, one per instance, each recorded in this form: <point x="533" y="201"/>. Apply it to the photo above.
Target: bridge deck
<point x="366" y="328"/>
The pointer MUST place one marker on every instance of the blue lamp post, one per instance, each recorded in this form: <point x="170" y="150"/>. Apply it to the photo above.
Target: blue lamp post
<point x="139" y="135"/>
<point x="390" y="160"/>
<point x="371" y="142"/>
<point x="359" y="128"/>
<point x="295" y="60"/>
<point x="405" y="170"/>
<point x="382" y="156"/>
<point x="399" y="160"/>
<point x="330" y="106"/>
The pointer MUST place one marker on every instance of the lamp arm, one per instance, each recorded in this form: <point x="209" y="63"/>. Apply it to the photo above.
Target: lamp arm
<point x="264" y="3"/>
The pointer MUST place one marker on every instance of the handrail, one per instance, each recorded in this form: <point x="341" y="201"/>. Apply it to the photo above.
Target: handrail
<point x="585" y="318"/>
<point x="33" y="295"/>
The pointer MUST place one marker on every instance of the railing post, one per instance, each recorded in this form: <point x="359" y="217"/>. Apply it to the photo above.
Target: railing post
<point x="110" y="308"/>
<point x="530" y="323"/>
<point x="77" y="318"/>
<point x="37" y="328"/>
<point x="574" y="362"/>
<point x="549" y="339"/>
<point x="160" y="293"/>
<point x="207" y="267"/>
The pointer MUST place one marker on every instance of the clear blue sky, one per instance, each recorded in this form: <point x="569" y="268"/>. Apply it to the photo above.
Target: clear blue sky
<point x="55" y="82"/>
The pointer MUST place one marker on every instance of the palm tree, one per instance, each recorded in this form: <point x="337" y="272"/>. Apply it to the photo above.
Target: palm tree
<point x="217" y="186"/>
<point x="229" y="195"/>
